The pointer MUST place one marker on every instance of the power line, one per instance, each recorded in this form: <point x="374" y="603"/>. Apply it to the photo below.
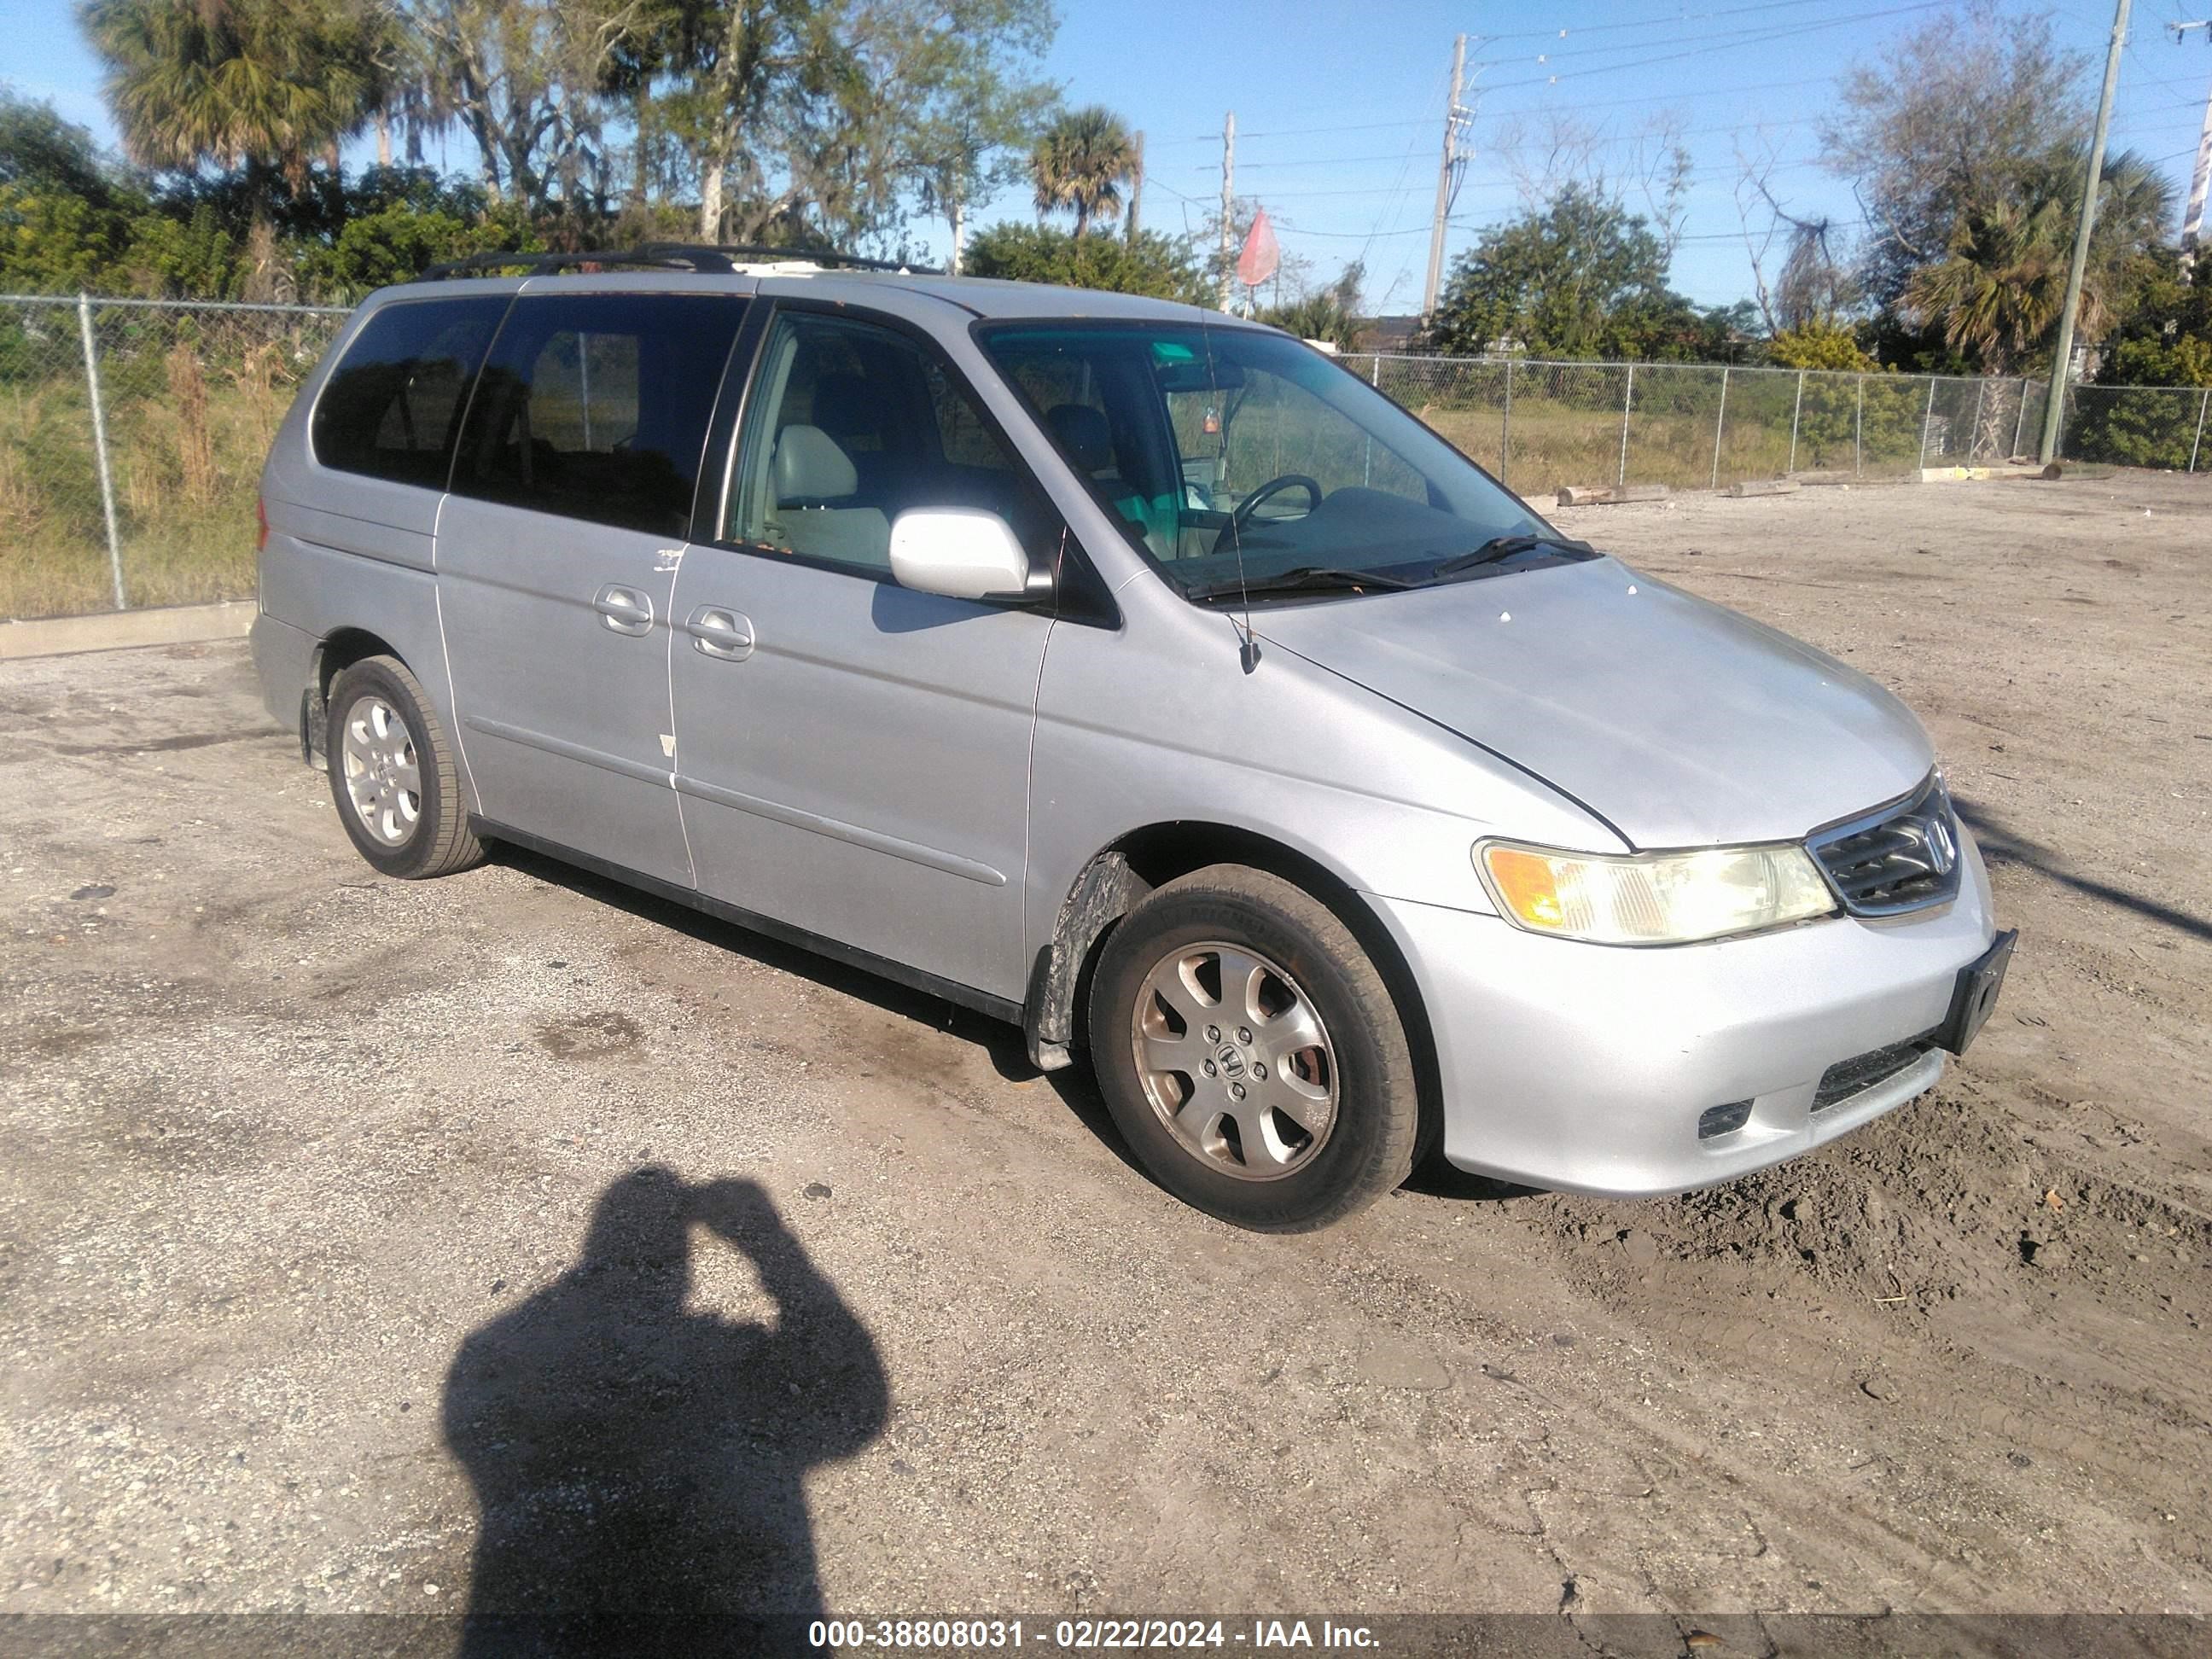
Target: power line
<point x="1654" y="22"/>
<point x="1699" y="50"/>
<point x="1680" y="97"/>
<point x="1469" y="224"/>
<point x="1389" y="203"/>
<point x="1597" y="142"/>
<point x="1705" y="41"/>
<point x="1697" y="175"/>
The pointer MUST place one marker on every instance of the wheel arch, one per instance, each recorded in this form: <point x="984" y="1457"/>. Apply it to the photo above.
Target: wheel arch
<point x="334" y="653"/>
<point x="1121" y="873"/>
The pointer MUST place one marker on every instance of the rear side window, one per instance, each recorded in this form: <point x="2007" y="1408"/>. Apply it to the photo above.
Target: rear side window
<point x="596" y="406"/>
<point x="392" y="407"/>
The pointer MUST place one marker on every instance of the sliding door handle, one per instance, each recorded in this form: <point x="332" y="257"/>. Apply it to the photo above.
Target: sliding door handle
<point x="624" y="610"/>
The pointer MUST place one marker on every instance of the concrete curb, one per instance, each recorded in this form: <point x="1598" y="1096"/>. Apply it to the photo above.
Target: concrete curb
<point x="119" y="630"/>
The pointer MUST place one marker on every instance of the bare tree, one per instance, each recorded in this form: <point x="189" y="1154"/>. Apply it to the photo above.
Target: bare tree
<point x="1544" y="152"/>
<point x="1812" y="283"/>
<point x="521" y="79"/>
<point x="1945" y="121"/>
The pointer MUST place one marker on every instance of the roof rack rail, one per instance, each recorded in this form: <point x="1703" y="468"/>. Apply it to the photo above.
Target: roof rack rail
<point x="733" y="252"/>
<point x="713" y="258"/>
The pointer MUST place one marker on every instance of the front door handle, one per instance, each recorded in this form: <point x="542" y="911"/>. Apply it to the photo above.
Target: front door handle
<point x="718" y="631"/>
<point x="624" y="610"/>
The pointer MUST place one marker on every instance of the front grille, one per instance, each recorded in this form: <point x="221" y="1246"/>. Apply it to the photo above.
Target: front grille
<point x="1900" y="857"/>
<point x="1847" y="1078"/>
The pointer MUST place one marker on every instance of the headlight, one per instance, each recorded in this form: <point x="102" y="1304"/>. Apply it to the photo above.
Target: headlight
<point x="1653" y="898"/>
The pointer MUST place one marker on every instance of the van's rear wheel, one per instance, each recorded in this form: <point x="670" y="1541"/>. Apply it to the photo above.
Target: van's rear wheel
<point x="1251" y="1053"/>
<point x="393" y="773"/>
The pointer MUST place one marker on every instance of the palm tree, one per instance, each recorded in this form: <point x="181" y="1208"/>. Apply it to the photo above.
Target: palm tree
<point x="2135" y="204"/>
<point x="1998" y="290"/>
<point x="267" y="85"/>
<point x="1080" y="164"/>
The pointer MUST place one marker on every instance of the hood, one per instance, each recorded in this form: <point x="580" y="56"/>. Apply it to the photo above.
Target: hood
<point x="1680" y="723"/>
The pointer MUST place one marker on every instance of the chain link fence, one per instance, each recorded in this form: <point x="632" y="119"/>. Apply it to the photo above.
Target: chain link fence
<point x="1704" y="426"/>
<point x="131" y="438"/>
<point x="132" y="433"/>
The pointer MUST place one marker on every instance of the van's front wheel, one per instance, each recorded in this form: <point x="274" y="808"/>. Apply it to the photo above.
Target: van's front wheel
<point x="1251" y="1053"/>
<point x="393" y="773"/>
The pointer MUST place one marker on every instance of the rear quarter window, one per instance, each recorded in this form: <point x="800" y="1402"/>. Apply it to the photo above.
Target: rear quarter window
<point x="596" y="406"/>
<point x="393" y="407"/>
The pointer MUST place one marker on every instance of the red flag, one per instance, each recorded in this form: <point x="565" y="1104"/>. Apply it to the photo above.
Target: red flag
<point x="1261" y="257"/>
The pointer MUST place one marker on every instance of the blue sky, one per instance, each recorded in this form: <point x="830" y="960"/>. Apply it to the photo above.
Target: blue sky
<point x="1340" y="108"/>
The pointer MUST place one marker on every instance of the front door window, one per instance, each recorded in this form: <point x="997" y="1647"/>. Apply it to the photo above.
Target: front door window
<point x="855" y="424"/>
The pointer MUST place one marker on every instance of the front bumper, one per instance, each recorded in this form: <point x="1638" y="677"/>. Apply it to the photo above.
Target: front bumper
<point x="1586" y="1068"/>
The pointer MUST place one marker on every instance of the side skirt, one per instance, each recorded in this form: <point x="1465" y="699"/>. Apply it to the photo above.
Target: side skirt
<point x="963" y="996"/>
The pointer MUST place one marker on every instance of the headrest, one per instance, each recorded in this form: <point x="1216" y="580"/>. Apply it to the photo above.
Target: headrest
<point x="811" y="466"/>
<point x="846" y="407"/>
<point x="1084" y="434"/>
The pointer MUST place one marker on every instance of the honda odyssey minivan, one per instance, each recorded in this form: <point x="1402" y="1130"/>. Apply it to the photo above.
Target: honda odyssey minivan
<point x="1130" y="673"/>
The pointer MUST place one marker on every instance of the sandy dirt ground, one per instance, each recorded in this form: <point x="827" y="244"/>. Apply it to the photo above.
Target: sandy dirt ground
<point x="338" y="1214"/>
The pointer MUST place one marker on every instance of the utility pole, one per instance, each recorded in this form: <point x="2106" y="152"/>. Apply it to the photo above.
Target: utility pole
<point x="2054" y="407"/>
<point x="2192" y="219"/>
<point x="1444" y="175"/>
<point x="1228" y="206"/>
<point x="1136" y="189"/>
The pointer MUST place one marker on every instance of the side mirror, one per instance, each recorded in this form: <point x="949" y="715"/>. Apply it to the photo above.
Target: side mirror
<point x="959" y="552"/>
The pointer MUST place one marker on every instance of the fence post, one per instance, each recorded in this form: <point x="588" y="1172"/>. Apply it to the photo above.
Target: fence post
<point x="1858" y="432"/>
<point x="1927" y="419"/>
<point x="2203" y="398"/>
<point x="2021" y="422"/>
<point x="1627" y="401"/>
<point x="1720" y="421"/>
<point x="1974" y="431"/>
<point x="1367" y="463"/>
<point x="1794" y="416"/>
<point x="1505" y="433"/>
<point x="99" y="445"/>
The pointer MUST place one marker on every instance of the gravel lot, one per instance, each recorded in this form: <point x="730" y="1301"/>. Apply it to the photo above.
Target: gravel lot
<point x="335" y="1208"/>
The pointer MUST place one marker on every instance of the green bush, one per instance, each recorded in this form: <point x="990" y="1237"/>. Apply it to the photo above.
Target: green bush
<point x="1162" y="266"/>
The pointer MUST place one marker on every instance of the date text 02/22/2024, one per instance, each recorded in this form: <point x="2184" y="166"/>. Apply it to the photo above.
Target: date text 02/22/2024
<point x="1087" y="1635"/>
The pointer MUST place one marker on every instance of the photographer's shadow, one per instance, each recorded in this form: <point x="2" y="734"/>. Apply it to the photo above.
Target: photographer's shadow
<point x="638" y="1467"/>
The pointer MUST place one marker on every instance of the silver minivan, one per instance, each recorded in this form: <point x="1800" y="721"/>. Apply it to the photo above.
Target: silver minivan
<point x="1130" y="673"/>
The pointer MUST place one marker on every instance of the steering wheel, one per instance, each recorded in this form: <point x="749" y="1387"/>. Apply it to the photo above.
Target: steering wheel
<point x="1242" y="517"/>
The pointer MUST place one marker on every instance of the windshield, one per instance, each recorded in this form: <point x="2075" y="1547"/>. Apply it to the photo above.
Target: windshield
<point x="1240" y="459"/>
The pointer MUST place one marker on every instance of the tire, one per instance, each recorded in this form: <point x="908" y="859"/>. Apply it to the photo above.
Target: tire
<point x="1321" y="1129"/>
<point x="396" y="739"/>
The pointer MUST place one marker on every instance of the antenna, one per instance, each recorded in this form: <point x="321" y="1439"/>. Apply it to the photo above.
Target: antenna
<point x="1248" y="649"/>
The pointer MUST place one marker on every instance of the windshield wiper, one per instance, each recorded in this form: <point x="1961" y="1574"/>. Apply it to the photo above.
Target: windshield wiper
<point x="1304" y="579"/>
<point x="1504" y="547"/>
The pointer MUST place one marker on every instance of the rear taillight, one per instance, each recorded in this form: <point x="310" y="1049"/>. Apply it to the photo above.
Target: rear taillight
<point x="261" y="524"/>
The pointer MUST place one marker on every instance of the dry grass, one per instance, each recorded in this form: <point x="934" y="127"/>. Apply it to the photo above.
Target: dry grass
<point x="192" y="402"/>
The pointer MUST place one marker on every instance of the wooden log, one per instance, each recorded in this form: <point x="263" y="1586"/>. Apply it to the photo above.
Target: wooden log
<point x="1744" y="487"/>
<point x="1600" y="495"/>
